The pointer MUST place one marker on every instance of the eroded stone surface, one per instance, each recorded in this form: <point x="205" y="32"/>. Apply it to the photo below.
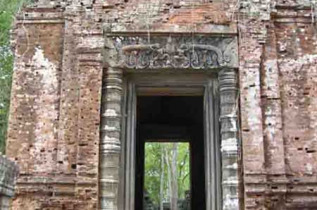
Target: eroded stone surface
<point x="8" y="174"/>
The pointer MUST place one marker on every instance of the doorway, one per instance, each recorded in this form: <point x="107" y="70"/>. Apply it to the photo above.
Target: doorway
<point x="170" y="128"/>
<point x="171" y="108"/>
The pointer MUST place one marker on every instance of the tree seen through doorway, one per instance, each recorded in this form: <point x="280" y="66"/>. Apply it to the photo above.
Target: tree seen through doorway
<point x="167" y="176"/>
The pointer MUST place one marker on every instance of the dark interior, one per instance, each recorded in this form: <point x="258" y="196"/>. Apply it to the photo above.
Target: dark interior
<point x="172" y="118"/>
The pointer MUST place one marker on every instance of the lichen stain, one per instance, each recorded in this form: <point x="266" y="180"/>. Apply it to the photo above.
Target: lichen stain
<point x="45" y="106"/>
<point x="253" y="104"/>
<point x="229" y="145"/>
<point x="300" y="74"/>
<point x="111" y="113"/>
<point x="230" y="203"/>
<point x="271" y="78"/>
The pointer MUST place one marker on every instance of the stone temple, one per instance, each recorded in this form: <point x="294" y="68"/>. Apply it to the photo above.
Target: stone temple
<point x="84" y="70"/>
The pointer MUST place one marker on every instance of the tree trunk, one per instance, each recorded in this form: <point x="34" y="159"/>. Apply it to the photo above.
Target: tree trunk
<point x="169" y="179"/>
<point x="174" y="177"/>
<point x="162" y="180"/>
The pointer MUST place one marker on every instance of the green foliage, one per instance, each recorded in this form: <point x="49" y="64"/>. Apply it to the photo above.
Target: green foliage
<point x="8" y="9"/>
<point x="153" y="169"/>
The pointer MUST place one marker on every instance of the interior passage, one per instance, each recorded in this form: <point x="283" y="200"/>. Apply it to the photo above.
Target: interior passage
<point x="170" y="169"/>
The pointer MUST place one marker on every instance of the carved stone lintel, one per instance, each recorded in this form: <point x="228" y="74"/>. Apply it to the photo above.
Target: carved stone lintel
<point x="178" y="52"/>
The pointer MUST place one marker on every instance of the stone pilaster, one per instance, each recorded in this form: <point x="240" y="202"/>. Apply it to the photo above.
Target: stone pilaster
<point x="229" y="138"/>
<point x="110" y="145"/>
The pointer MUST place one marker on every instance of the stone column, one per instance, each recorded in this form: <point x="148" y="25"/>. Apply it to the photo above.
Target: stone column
<point x="110" y="145"/>
<point x="8" y="174"/>
<point x="229" y="138"/>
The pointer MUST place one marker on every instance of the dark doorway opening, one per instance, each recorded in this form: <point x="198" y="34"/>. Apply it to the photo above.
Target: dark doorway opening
<point x="171" y="119"/>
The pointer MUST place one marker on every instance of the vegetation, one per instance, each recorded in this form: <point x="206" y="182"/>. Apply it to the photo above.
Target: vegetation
<point x="8" y="9"/>
<point x="167" y="173"/>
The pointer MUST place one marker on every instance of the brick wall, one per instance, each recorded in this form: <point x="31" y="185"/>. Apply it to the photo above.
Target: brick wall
<point x="55" y="110"/>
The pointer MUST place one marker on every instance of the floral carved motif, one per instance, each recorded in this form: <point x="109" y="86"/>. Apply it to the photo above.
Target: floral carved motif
<point x="178" y="52"/>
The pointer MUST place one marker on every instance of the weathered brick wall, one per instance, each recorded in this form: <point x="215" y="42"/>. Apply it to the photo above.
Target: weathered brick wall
<point x="56" y="96"/>
<point x="54" y="121"/>
<point x="277" y="75"/>
<point x="297" y="58"/>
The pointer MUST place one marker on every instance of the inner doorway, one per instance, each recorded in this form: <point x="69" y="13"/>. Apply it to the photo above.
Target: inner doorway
<point x="173" y="123"/>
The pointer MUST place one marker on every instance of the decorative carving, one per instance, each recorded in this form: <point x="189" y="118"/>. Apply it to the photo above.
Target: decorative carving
<point x="185" y="52"/>
<point x="228" y="83"/>
<point x="169" y="52"/>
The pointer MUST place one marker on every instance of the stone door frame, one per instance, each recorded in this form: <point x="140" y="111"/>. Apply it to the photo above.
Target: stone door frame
<point x="180" y="81"/>
<point x="168" y="55"/>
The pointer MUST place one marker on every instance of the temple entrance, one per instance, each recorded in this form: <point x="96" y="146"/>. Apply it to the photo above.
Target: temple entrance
<point x="170" y="166"/>
<point x="169" y="65"/>
<point x="168" y="116"/>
